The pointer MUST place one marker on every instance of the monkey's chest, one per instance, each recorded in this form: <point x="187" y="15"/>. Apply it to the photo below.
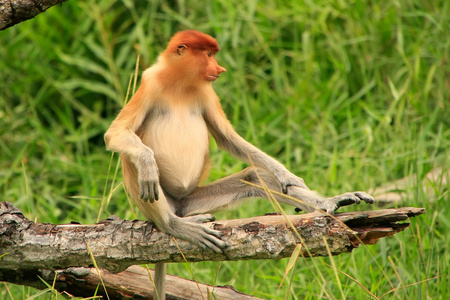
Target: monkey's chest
<point x="180" y="142"/>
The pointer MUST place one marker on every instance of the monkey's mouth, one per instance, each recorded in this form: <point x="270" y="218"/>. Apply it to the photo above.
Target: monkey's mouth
<point x="213" y="77"/>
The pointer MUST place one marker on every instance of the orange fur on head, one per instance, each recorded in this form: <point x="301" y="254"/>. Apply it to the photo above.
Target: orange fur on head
<point x="193" y="39"/>
<point x="189" y="60"/>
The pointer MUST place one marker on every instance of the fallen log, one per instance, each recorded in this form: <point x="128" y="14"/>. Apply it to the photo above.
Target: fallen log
<point x="116" y="244"/>
<point x="133" y="283"/>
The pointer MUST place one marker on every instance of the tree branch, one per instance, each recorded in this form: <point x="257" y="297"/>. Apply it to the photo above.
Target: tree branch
<point x="16" y="11"/>
<point x="116" y="244"/>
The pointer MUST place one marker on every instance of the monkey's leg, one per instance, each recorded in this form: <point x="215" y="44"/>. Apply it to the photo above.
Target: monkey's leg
<point x="229" y="191"/>
<point x="160" y="281"/>
<point x="312" y="200"/>
<point x="161" y="213"/>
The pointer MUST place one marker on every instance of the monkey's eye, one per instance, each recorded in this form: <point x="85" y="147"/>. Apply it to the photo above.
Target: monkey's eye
<point x="209" y="54"/>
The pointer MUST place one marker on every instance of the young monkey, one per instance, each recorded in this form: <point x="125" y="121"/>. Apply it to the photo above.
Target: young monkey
<point x="162" y="136"/>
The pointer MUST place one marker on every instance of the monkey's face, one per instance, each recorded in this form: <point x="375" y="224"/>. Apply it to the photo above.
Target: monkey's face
<point x="212" y="69"/>
<point x="199" y="62"/>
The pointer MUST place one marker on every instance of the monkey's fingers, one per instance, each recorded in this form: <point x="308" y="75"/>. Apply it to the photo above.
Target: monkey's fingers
<point x="144" y="190"/>
<point x="149" y="190"/>
<point x="155" y="190"/>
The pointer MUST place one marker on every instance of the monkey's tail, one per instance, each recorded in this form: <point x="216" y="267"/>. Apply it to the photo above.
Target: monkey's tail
<point x="160" y="281"/>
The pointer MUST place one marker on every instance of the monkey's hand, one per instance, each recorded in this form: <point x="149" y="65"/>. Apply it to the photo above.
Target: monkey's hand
<point x="148" y="177"/>
<point x="287" y="179"/>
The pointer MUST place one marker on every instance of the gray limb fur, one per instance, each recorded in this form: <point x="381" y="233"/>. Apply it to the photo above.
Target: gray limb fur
<point x="231" y="190"/>
<point x="160" y="280"/>
<point x="227" y="192"/>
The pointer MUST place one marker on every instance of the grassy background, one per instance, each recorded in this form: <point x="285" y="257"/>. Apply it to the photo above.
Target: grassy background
<point x="348" y="94"/>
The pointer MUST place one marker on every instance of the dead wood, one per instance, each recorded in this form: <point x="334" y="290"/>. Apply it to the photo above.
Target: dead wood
<point x="133" y="283"/>
<point x="28" y="248"/>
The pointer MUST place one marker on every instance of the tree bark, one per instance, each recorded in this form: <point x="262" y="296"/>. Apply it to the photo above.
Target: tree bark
<point x="16" y="11"/>
<point x="133" y="283"/>
<point x="27" y="248"/>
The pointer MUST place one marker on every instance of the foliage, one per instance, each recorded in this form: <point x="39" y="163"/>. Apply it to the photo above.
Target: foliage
<point x="348" y="94"/>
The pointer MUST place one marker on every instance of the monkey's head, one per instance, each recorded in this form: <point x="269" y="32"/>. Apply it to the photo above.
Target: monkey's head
<point x="193" y="53"/>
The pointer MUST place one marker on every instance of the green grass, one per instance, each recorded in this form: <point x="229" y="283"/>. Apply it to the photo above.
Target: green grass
<point x="348" y="94"/>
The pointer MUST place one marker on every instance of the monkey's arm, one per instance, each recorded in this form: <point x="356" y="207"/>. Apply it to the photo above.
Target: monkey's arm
<point x="121" y="137"/>
<point x="228" y="139"/>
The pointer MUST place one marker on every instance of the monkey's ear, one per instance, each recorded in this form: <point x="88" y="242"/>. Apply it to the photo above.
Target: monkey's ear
<point x="181" y="49"/>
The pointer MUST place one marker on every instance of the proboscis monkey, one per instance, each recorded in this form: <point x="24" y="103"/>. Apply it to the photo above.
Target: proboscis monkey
<point x="163" y="134"/>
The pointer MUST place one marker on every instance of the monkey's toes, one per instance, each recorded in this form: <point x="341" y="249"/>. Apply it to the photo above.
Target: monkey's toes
<point x="352" y="198"/>
<point x="211" y="239"/>
<point x="365" y="197"/>
<point x="205" y="218"/>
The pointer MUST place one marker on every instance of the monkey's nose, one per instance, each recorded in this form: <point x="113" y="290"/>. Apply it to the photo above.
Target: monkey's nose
<point x="221" y="70"/>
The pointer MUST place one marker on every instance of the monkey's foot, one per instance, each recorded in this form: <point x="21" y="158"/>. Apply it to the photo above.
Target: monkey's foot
<point x="190" y="230"/>
<point x="345" y="199"/>
<point x="205" y="218"/>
